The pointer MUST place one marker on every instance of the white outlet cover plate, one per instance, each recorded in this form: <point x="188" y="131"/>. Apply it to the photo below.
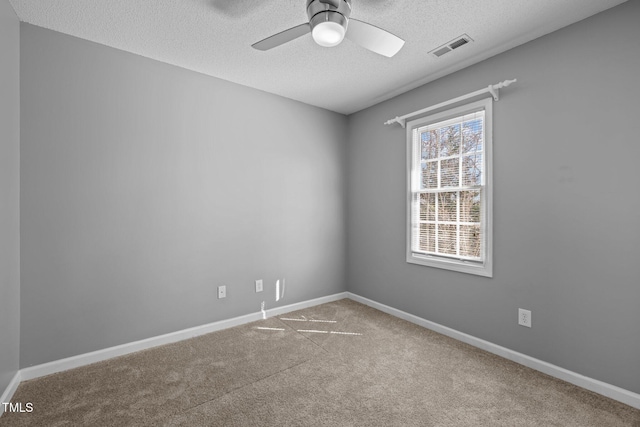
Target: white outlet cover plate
<point x="259" y="285"/>
<point x="222" y="292"/>
<point x="524" y="317"/>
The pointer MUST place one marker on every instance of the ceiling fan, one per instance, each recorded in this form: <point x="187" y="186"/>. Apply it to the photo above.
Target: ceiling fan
<point x="329" y="24"/>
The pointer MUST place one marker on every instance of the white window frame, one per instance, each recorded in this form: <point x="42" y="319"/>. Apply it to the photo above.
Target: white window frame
<point x="484" y="267"/>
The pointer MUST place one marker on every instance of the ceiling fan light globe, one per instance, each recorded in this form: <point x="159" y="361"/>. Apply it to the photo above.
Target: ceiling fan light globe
<point x="328" y="33"/>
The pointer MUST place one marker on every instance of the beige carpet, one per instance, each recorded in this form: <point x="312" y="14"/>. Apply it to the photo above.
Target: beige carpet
<point x="337" y="364"/>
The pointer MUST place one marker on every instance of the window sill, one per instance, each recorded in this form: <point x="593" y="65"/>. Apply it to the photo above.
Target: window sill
<point x="479" y="269"/>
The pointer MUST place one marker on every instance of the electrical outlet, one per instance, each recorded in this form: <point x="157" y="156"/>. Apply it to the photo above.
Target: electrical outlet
<point x="222" y="292"/>
<point x="524" y="317"/>
<point x="259" y="285"/>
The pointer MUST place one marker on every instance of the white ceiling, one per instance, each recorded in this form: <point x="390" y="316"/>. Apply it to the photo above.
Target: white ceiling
<point x="214" y="37"/>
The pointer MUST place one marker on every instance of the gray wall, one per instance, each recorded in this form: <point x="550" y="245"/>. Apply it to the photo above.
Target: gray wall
<point x="145" y="186"/>
<point x="566" y="230"/>
<point x="9" y="193"/>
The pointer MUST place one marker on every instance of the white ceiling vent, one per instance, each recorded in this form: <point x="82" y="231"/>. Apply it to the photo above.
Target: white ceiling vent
<point x="453" y="44"/>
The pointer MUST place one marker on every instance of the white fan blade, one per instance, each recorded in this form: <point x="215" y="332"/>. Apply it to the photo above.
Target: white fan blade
<point x="334" y="3"/>
<point x="373" y="38"/>
<point x="283" y="37"/>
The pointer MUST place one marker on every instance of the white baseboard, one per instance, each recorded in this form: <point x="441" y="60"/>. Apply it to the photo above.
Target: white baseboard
<point x="120" y="350"/>
<point x="276" y="311"/>
<point x="625" y="396"/>
<point x="11" y="388"/>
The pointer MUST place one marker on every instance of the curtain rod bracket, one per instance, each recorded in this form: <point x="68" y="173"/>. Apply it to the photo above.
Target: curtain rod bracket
<point x="495" y="92"/>
<point x="495" y="89"/>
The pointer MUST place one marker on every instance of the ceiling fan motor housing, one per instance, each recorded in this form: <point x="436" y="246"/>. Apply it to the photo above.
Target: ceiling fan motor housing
<point x="337" y="11"/>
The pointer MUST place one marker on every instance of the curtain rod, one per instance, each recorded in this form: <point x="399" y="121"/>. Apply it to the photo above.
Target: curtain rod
<point x="492" y="89"/>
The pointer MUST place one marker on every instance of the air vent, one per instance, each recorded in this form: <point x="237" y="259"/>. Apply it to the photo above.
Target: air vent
<point x="442" y="51"/>
<point x="456" y="44"/>
<point x="453" y="44"/>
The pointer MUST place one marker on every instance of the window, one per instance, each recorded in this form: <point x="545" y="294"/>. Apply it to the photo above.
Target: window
<point x="449" y="189"/>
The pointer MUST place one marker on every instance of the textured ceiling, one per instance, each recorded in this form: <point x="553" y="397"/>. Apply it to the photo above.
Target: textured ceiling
<point x="214" y="37"/>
